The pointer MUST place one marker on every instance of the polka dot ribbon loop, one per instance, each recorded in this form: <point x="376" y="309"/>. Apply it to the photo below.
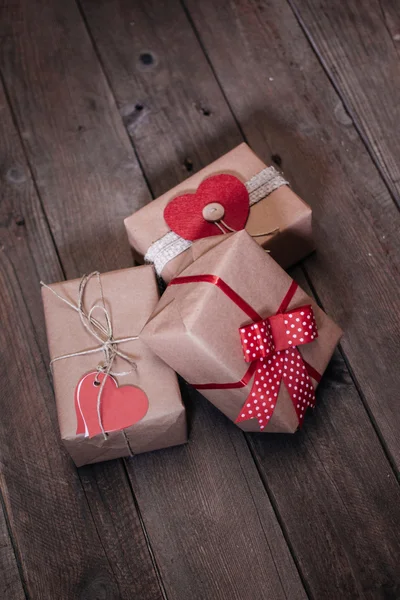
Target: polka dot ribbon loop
<point x="273" y="343"/>
<point x="257" y="340"/>
<point x="281" y="331"/>
<point x="270" y="346"/>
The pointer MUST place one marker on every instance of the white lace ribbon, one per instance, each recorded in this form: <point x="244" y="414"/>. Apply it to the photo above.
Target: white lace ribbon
<point x="171" y="244"/>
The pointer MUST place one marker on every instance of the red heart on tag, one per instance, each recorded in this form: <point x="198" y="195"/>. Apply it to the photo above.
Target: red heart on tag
<point x="184" y="214"/>
<point x="120" y="407"/>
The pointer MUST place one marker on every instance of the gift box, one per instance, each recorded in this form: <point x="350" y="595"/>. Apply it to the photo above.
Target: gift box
<point x="236" y="191"/>
<point x="114" y="396"/>
<point x="241" y="331"/>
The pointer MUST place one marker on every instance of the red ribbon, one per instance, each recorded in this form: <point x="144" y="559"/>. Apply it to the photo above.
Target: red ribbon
<point x="270" y="345"/>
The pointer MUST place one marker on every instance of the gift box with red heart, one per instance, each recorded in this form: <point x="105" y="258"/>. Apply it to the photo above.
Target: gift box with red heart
<point x="237" y="191"/>
<point x="241" y="331"/>
<point x="114" y="396"/>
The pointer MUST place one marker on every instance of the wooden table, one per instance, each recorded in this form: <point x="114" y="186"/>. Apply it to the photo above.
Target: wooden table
<point x="106" y="103"/>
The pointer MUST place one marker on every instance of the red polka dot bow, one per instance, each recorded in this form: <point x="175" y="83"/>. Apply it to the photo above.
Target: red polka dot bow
<point x="273" y="343"/>
<point x="270" y="346"/>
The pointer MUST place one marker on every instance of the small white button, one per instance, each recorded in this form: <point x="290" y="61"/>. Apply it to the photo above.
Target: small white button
<point x="213" y="212"/>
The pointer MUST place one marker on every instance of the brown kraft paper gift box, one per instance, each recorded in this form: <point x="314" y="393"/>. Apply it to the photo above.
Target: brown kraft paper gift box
<point x="130" y="297"/>
<point x="280" y="210"/>
<point x="196" y="328"/>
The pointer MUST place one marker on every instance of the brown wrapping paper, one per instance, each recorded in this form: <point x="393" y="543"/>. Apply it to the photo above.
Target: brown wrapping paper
<point x="195" y="327"/>
<point x="282" y="210"/>
<point x="131" y="295"/>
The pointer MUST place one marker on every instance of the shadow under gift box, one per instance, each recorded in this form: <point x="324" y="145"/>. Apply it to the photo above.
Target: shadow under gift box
<point x="130" y="297"/>
<point x="195" y="326"/>
<point x="282" y="209"/>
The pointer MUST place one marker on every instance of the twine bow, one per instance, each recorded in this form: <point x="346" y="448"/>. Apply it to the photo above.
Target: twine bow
<point x="103" y="334"/>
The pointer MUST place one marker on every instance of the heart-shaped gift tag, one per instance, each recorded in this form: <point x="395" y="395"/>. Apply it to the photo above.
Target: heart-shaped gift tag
<point x="120" y="407"/>
<point x="184" y="214"/>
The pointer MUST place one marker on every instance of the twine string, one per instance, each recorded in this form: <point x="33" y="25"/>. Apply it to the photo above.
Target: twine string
<point x="221" y="224"/>
<point x="103" y="334"/>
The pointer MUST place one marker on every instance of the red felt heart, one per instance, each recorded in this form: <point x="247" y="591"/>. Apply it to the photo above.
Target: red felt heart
<point x="120" y="407"/>
<point x="184" y="214"/>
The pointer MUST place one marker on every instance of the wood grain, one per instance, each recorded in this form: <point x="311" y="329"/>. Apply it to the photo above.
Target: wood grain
<point x="63" y="537"/>
<point x="314" y="528"/>
<point x="77" y="174"/>
<point x="177" y="511"/>
<point x="81" y="158"/>
<point x="358" y="44"/>
<point x="292" y="111"/>
<point x="46" y="507"/>
<point x="342" y="485"/>
<point x="10" y="580"/>
<point x="174" y="99"/>
<point x="212" y="527"/>
<point x="328" y="502"/>
<point x="118" y="521"/>
<point x="337" y="496"/>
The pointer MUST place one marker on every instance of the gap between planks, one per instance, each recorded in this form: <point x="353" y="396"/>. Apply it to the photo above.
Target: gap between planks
<point x="352" y="114"/>
<point x="364" y="139"/>
<point x="59" y="266"/>
<point x="251" y="451"/>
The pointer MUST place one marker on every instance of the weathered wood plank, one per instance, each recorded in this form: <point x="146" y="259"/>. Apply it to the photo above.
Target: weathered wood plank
<point x="77" y="172"/>
<point x="358" y="44"/>
<point x="213" y="529"/>
<point x="118" y="520"/>
<point x="166" y="94"/>
<point x="342" y="486"/>
<point x="82" y="161"/>
<point x="11" y="585"/>
<point x="285" y="127"/>
<point x="286" y="107"/>
<point x="180" y="512"/>
<point x="338" y="497"/>
<point x="354" y="272"/>
<point x="47" y="510"/>
<point x="63" y="539"/>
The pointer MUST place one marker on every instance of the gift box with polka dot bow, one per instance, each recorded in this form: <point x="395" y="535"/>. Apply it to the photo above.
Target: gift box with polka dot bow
<point x="240" y="330"/>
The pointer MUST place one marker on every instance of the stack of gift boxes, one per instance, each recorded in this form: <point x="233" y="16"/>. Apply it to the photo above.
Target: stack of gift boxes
<point x="231" y="321"/>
